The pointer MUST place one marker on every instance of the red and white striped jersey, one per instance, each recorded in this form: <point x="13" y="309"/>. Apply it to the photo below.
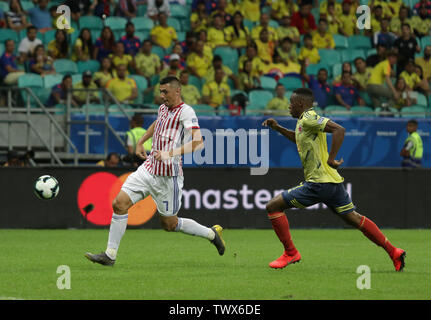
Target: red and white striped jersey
<point x="169" y="134"/>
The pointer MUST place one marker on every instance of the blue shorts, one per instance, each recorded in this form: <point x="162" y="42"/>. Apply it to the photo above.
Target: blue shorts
<point x="334" y="195"/>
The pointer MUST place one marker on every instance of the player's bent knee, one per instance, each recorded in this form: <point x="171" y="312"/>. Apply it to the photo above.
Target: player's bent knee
<point x="120" y="206"/>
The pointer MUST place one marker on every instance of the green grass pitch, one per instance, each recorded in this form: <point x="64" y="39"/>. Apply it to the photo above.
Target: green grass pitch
<point x="154" y="264"/>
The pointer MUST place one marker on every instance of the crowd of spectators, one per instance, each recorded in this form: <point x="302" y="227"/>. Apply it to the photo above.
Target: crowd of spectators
<point x="272" y="38"/>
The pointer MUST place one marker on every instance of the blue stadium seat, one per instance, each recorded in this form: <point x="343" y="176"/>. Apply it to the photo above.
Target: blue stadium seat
<point x="6" y="34"/>
<point x="48" y="36"/>
<point x="179" y="11"/>
<point x="92" y="65"/>
<point x="193" y="80"/>
<point x="268" y="83"/>
<point x="1" y="48"/>
<point x="27" y="5"/>
<point x="352" y="54"/>
<point x="174" y="23"/>
<point x="259" y="98"/>
<point x="313" y="69"/>
<point x="359" y="42"/>
<point x="143" y="23"/>
<point x="90" y="22"/>
<point x="229" y="56"/>
<point x="32" y="81"/>
<point x="158" y="51"/>
<point x="51" y="79"/>
<point x="116" y="23"/>
<point x="291" y="83"/>
<point x="329" y="56"/>
<point x="4" y="6"/>
<point x="413" y="112"/>
<point x="340" y="41"/>
<point x="425" y="41"/>
<point x="65" y="66"/>
<point x="204" y="110"/>
<point x="142" y="84"/>
<point x="336" y="110"/>
<point x="421" y="100"/>
<point x="76" y="78"/>
<point x="362" y="111"/>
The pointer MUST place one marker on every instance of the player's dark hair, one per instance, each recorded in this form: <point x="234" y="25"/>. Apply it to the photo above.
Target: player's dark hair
<point x="169" y="80"/>
<point x="305" y="93"/>
<point x="412" y="121"/>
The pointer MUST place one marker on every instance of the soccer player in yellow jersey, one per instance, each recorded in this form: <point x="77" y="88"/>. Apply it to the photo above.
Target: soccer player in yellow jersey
<point x="322" y="181"/>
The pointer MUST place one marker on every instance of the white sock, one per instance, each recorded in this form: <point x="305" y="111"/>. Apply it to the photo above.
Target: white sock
<point x="193" y="228"/>
<point x="116" y="232"/>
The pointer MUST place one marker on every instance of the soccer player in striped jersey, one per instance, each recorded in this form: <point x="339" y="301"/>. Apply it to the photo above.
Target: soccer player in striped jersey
<point x="322" y="181"/>
<point x="175" y="132"/>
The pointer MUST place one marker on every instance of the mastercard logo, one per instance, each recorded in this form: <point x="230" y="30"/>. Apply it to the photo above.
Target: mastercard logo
<point x="98" y="191"/>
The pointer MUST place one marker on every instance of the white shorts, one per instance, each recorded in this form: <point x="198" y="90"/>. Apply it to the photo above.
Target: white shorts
<point x="165" y="191"/>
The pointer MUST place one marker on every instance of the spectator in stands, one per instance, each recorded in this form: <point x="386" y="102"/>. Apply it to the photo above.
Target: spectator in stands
<point x="308" y="53"/>
<point x="248" y="81"/>
<point x="162" y="34"/>
<point x="412" y="151"/>
<point x="41" y="63"/>
<point x="251" y="10"/>
<point x="422" y="3"/>
<point x="199" y="19"/>
<point x="379" y="56"/>
<point x="83" y="48"/>
<point x="303" y="20"/>
<point x="176" y="49"/>
<point x="406" y="47"/>
<point x="210" y="5"/>
<point x="84" y="97"/>
<point x="174" y="67"/>
<point x="264" y="24"/>
<point x="9" y="70"/>
<point x="283" y="8"/>
<point x="413" y="80"/>
<point x="228" y="74"/>
<point x="251" y="54"/>
<point x="79" y="8"/>
<point x="221" y="11"/>
<point x="147" y="64"/>
<point x="397" y="22"/>
<point x="233" y="6"/>
<point x="131" y="43"/>
<point x="345" y="67"/>
<point x="198" y="63"/>
<point x="190" y="93"/>
<point x="384" y="36"/>
<point x="376" y="17"/>
<point x="287" y="51"/>
<point x="15" y="17"/>
<point x="381" y="75"/>
<point x="13" y="160"/>
<point x="347" y="20"/>
<point x="346" y="94"/>
<point x="111" y="161"/>
<point x="421" y="24"/>
<point x="119" y="57"/>
<point x="59" y="93"/>
<point x="105" y="74"/>
<point x="216" y="93"/>
<point x="102" y="8"/>
<point x="280" y="102"/>
<point x="127" y="9"/>
<point x="155" y="7"/>
<point x="322" y="39"/>
<point x="324" y="5"/>
<point x="321" y="89"/>
<point x="425" y="63"/>
<point x="406" y="96"/>
<point x="105" y="44"/>
<point x="58" y="48"/>
<point x="237" y="36"/>
<point x="29" y="43"/>
<point x="216" y="37"/>
<point x="286" y="30"/>
<point x="123" y="88"/>
<point x="40" y="16"/>
<point x="363" y="73"/>
<point x="394" y="7"/>
<point x="265" y="47"/>
<point x="334" y="23"/>
<point x="135" y="133"/>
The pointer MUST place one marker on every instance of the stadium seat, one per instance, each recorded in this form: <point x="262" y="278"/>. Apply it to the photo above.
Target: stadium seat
<point x="204" y="110"/>
<point x="51" y="79"/>
<point x="370" y="52"/>
<point x="27" y="5"/>
<point x="92" y="65"/>
<point x="143" y="23"/>
<point x="142" y="84"/>
<point x="76" y="78"/>
<point x="414" y="112"/>
<point x="1" y="48"/>
<point x="313" y="69"/>
<point x="352" y="54"/>
<point x="142" y="10"/>
<point x="158" y="51"/>
<point x="340" y="41"/>
<point x="65" y="66"/>
<point x="291" y="83"/>
<point x="421" y="100"/>
<point x="6" y="34"/>
<point x="90" y="22"/>
<point x="336" y="69"/>
<point x="4" y="6"/>
<point x="359" y="42"/>
<point x="259" y="98"/>
<point x="229" y="56"/>
<point x="274" y="24"/>
<point x="185" y="25"/>
<point x="48" y="36"/>
<point x="364" y="95"/>
<point x="318" y="110"/>
<point x="254" y="109"/>
<point x="268" y="83"/>
<point x="193" y="80"/>
<point x="174" y="23"/>
<point x="248" y="24"/>
<point x="425" y="41"/>
<point x="180" y="11"/>
<point x="336" y="110"/>
<point x="288" y="94"/>
<point x="116" y="23"/>
<point x="32" y="81"/>
<point x="362" y="111"/>
<point x="329" y="56"/>
<point x="181" y="36"/>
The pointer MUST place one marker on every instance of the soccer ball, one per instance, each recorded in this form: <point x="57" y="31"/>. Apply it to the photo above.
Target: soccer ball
<point x="46" y="187"/>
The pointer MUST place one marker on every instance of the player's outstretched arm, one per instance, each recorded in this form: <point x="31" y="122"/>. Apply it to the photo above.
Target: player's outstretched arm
<point x="273" y="124"/>
<point x="196" y="143"/>
<point x="337" y="132"/>
<point x="140" y="151"/>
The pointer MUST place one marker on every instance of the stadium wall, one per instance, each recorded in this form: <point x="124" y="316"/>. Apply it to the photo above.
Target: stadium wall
<point x="230" y="197"/>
